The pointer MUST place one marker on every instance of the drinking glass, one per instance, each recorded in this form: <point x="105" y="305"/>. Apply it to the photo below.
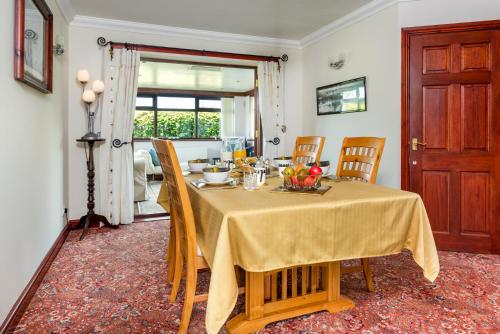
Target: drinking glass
<point x="250" y="179"/>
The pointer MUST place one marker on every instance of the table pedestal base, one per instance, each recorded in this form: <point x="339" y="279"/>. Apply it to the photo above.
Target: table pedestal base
<point x="281" y="294"/>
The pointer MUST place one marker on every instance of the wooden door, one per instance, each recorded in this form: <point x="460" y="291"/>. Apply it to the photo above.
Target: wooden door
<point x="454" y="135"/>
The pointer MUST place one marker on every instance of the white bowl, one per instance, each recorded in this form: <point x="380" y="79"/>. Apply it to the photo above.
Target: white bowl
<point x="325" y="169"/>
<point x="282" y="162"/>
<point x="215" y="177"/>
<point x="197" y="166"/>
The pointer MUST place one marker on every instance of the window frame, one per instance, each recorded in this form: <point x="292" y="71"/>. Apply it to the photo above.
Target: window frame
<point x="197" y="110"/>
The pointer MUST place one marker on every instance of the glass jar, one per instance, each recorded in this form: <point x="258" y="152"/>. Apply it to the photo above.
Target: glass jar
<point x="240" y="151"/>
<point x="226" y="151"/>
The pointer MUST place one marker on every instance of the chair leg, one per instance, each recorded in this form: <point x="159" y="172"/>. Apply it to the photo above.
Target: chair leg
<point x="368" y="274"/>
<point x="177" y="276"/>
<point x="189" y="296"/>
<point x="171" y="254"/>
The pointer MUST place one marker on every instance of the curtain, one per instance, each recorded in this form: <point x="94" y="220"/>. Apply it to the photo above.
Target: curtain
<point x="271" y="88"/>
<point x="243" y="121"/>
<point x="227" y="117"/>
<point x="116" y="179"/>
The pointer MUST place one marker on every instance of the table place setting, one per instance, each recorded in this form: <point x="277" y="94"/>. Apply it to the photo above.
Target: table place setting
<point x="252" y="173"/>
<point x="215" y="178"/>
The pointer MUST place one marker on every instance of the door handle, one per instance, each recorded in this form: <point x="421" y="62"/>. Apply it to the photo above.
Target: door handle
<point x="415" y="143"/>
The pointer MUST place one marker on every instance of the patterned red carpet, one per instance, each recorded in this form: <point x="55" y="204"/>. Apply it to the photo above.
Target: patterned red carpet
<point x="115" y="282"/>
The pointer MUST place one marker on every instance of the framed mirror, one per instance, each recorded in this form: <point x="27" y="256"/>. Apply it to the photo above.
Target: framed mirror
<point x="33" y="44"/>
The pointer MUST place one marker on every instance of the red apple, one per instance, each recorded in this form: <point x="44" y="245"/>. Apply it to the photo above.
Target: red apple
<point x="295" y="180"/>
<point x="310" y="181"/>
<point x="315" y="170"/>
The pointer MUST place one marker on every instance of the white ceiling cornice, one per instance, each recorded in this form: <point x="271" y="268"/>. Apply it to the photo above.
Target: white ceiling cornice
<point x="359" y="14"/>
<point x="146" y="28"/>
<point x="67" y="9"/>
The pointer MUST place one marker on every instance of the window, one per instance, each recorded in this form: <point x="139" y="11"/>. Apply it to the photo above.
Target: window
<point x="144" y="102"/>
<point x="210" y="104"/>
<point x="177" y="117"/>
<point x="176" y="103"/>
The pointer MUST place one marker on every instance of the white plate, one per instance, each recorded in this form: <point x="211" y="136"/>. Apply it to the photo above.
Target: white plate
<point x="229" y="180"/>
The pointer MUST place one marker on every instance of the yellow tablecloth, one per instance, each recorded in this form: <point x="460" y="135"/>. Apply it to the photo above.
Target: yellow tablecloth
<point x="263" y="230"/>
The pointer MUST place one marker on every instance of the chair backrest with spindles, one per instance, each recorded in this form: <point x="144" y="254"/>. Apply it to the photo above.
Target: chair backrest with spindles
<point x="360" y="158"/>
<point x="308" y="149"/>
<point x="180" y="205"/>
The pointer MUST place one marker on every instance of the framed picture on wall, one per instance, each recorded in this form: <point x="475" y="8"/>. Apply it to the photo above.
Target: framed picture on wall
<point x="343" y="97"/>
<point x="33" y="44"/>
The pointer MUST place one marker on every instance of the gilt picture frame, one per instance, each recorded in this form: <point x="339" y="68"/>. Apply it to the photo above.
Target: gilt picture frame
<point x="33" y="44"/>
<point x="342" y="97"/>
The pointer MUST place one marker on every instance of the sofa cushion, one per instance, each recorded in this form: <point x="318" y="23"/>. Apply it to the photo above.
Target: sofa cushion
<point x="147" y="157"/>
<point x="157" y="170"/>
<point x="154" y="157"/>
<point x="140" y="180"/>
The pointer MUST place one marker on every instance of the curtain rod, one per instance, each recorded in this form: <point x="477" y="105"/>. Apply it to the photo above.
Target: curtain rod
<point x="101" y="41"/>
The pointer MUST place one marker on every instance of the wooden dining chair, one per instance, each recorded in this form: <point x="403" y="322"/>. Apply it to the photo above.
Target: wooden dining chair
<point x="182" y="247"/>
<point x="359" y="160"/>
<point x="308" y="149"/>
<point x="183" y="252"/>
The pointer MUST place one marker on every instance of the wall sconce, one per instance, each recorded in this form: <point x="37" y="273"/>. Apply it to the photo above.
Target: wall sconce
<point x="58" y="48"/>
<point x="337" y="63"/>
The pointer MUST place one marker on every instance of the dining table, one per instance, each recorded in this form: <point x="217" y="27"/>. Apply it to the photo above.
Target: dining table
<point x="290" y="245"/>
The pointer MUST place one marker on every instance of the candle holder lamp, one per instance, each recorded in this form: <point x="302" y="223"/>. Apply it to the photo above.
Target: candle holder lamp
<point x="90" y="98"/>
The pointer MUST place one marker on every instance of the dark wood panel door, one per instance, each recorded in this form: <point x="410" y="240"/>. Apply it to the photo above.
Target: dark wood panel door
<point x="454" y="135"/>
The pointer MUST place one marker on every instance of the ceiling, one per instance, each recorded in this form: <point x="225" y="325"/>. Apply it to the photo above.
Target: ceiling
<point x="195" y="77"/>
<point x="283" y="19"/>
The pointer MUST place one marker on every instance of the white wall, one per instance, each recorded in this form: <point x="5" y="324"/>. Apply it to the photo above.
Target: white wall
<point x="373" y="46"/>
<point x="32" y="171"/>
<point x="84" y="53"/>
<point x="428" y="12"/>
<point x="372" y="50"/>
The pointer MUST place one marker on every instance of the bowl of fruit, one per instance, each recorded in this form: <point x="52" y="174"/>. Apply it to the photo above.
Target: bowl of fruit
<point x="302" y="178"/>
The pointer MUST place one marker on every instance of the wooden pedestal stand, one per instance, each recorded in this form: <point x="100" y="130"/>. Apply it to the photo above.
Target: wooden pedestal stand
<point x="91" y="217"/>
